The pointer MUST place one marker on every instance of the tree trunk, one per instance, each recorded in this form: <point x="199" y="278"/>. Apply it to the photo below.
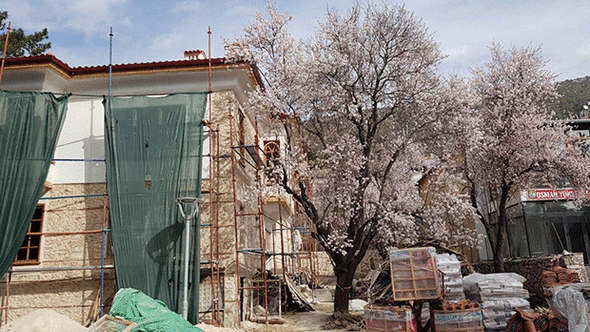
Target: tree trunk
<point x="499" y="247"/>
<point x="502" y="231"/>
<point x="343" y="289"/>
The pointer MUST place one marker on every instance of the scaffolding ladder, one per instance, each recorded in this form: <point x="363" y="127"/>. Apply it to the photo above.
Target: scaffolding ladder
<point x="258" y="215"/>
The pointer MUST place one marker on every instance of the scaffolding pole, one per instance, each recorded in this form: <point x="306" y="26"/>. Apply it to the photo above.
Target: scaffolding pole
<point x="213" y="198"/>
<point x="4" y="53"/>
<point x="258" y="215"/>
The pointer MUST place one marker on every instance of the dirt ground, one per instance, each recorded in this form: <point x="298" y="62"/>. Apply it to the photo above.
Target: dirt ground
<point x="294" y="322"/>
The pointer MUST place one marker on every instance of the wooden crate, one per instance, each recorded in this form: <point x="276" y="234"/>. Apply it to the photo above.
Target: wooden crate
<point x="414" y="275"/>
<point x="386" y="319"/>
<point x="467" y="320"/>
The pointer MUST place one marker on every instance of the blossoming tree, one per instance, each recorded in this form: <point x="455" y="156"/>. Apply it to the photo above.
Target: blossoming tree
<point x="366" y="92"/>
<point x="513" y="143"/>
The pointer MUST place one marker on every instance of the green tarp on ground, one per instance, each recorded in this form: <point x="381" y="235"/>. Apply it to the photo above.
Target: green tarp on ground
<point x="149" y="314"/>
<point x="153" y="148"/>
<point x="30" y="123"/>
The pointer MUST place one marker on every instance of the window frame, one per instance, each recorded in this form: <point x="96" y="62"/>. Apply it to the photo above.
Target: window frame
<point x="33" y="236"/>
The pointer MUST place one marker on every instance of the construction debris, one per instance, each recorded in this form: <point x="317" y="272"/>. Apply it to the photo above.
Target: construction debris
<point x="296" y="299"/>
<point x="290" y="297"/>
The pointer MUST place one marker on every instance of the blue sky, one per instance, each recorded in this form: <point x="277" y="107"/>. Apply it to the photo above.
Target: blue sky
<point x="147" y="31"/>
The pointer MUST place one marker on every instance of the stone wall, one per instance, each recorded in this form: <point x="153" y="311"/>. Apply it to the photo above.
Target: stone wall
<point x="74" y="293"/>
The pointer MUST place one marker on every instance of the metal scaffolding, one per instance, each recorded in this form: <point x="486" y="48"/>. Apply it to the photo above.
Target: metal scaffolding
<point x="224" y="153"/>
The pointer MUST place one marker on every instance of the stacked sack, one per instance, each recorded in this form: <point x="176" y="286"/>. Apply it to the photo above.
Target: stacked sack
<point x="498" y="295"/>
<point x="450" y="266"/>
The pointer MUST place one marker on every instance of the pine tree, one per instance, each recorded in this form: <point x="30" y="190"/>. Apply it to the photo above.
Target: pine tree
<point x="19" y="43"/>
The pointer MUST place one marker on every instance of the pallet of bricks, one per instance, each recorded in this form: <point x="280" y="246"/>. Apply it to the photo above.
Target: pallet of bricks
<point x="455" y="313"/>
<point x="462" y="316"/>
<point x="385" y="319"/>
<point x="414" y="274"/>
<point x="414" y="277"/>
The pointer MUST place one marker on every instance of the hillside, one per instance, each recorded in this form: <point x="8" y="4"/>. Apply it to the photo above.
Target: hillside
<point x="575" y="94"/>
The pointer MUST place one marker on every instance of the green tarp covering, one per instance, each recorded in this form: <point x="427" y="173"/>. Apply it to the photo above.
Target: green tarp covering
<point x="149" y="314"/>
<point x="153" y="148"/>
<point x="30" y="123"/>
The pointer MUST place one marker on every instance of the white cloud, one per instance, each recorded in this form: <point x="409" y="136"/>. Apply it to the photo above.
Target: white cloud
<point x="187" y="6"/>
<point x="90" y="17"/>
<point x="87" y="17"/>
<point x="584" y="50"/>
<point x="457" y="51"/>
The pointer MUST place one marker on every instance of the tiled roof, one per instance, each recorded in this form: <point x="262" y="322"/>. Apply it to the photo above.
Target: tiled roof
<point x="47" y="59"/>
<point x="51" y="60"/>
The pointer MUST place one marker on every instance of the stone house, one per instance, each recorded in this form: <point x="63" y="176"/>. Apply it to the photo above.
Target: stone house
<point x="66" y="261"/>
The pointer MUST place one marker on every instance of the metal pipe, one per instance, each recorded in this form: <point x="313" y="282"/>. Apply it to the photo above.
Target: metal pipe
<point x="211" y="204"/>
<point x="110" y="61"/>
<point x="72" y="196"/>
<point x="103" y="250"/>
<point x="66" y="159"/>
<point x="282" y="258"/>
<point x="188" y="218"/>
<point x="187" y="248"/>
<point x="96" y="231"/>
<point x="217" y="172"/>
<point x="262" y="227"/>
<point x="7" y="296"/>
<point x="57" y="268"/>
<point x="4" y="53"/>
<point x="235" y="203"/>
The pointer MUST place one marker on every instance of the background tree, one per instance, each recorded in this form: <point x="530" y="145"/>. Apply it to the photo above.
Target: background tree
<point x="574" y="98"/>
<point x="514" y="144"/>
<point x="366" y="92"/>
<point x="19" y="43"/>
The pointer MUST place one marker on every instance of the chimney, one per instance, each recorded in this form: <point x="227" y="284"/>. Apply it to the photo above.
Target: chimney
<point x="195" y="55"/>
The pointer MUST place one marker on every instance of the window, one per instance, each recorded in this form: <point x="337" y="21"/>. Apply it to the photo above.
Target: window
<point x="271" y="155"/>
<point x="28" y="253"/>
<point x="271" y="151"/>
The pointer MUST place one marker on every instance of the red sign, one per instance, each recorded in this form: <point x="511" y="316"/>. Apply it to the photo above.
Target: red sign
<point x="554" y="194"/>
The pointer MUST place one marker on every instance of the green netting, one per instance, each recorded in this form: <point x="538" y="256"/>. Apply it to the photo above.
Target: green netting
<point x="30" y="123"/>
<point x="153" y="152"/>
<point x="149" y="314"/>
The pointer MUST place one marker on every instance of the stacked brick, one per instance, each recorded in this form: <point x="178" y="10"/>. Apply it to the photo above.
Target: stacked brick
<point x="414" y="274"/>
<point x="384" y="319"/>
<point x="458" y="316"/>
